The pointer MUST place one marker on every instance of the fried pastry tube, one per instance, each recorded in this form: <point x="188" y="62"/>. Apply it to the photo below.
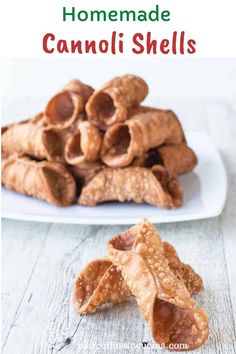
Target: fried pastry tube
<point x="111" y="104"/>
<point x="153" y="186"/>
<point x="100" y="282"/>
<point x="36" y="140"/>
<point x="55" y="140"/>
<point x="24" y="138"/>
<point x="64" y="108"/>
<point x="123" y="142"/>
<point x="183" y="271"/>
<point x="43" y="180"/>
<point x="86" y="171"/>
<point x="8" y="147"/>
<point x="163" y="299"/>
<point x="38" y="118"/>
<point x="84" y="144"/>
<point x="176" y="158"/>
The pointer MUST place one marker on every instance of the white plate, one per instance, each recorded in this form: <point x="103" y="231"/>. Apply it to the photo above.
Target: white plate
<point x="204" y="196"/>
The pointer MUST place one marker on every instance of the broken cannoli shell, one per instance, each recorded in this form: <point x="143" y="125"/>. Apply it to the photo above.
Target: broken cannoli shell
<point x="100" y="282"/>
<point x="163" y="299"/>
<point x="65" y="107"/>
<point x="45" y="180"/>
<point x="153" y="186"/>
<point x="112" y="102"/>
<point x="84" y="144"/>
<point x="176" y="158"/>
<point x="123" y="142"/>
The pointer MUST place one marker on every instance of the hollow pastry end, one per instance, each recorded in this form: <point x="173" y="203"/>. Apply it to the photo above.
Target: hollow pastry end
<point x="59" y="183"/>
<point x="116" y="146"/>
<point x="63" y="109"/>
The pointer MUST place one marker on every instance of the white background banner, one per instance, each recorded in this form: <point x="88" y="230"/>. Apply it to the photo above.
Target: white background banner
<point x="210" y="23"/>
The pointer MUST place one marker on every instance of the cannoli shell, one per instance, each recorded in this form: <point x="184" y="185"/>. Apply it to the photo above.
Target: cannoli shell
<point x="65" y="107"/>
<point x="35" y="120"/>
<point x="101" y="282"/>
<point x="55" y="140"/>
<point x="141" y="185"/>
<point x="176" y="158"/>
<point x="183" y="271"/>
<point x="24" y="138"/>
<point x="163" y="299"/>
<point x="86" y="171"/>
<point x="45" y="180"/>
<point x="123" y="142"/>
<point x="112" y="103"/>
<point x="35" y="139"/>
<point x="134" y="110"/>
<point x="84" y="144"/>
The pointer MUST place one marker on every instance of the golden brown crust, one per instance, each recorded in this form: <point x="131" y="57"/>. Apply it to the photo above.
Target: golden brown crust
<point x="100" y="282"/>
<point x="35" y="120"/>
<point x="136" y="184"/>
<point x="112" y="102"/>
<point x="162" y="298"/>
<point x="24" y="138"/>
<point x="84" y="144"/>
<point x="64" y="108"/>
<point x="176" y="158"/>
<point x="35" y="139"/>
<point x="182" y="271"/>
<point x="123" y="142"/>
<point x="86" y="171"/>
<point x="54" y="140"/>
<point x="43" y="180"/>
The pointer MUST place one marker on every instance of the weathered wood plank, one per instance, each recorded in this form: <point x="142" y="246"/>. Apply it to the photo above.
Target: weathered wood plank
<point x="222" y="125"/>
<point x="228" y="227"/>
<point x="22" y="245"/>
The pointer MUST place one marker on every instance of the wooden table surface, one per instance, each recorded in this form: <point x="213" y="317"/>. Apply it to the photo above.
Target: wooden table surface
<point x="41" y="261"/>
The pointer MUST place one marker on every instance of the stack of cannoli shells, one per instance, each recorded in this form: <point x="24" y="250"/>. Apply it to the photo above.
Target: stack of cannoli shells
<point x="112" y="147"/>
<point x="139" y="263"/>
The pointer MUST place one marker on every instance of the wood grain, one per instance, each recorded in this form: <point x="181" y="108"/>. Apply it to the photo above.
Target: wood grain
<point x="41" y="261"/>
